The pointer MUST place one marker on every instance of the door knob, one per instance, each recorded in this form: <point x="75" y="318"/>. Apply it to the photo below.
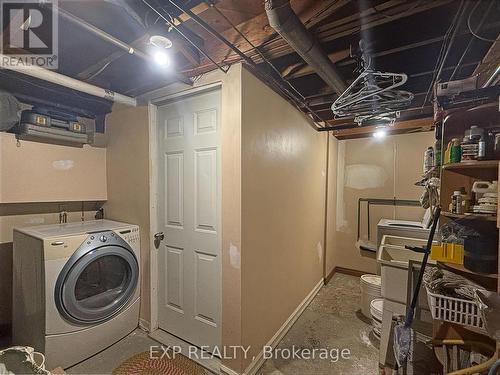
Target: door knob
<point x="158" y="237"/>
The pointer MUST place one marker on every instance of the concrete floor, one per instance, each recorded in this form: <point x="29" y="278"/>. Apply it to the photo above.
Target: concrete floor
<point x="109" y="359"/>
<point x="332" y="321"/>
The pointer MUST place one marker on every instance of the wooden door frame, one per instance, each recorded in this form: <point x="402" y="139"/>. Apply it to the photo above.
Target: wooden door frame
<point x="153" y="105"/>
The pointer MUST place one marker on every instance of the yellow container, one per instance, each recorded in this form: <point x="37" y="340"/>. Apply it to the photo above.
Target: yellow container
<point x="448" y="252"/>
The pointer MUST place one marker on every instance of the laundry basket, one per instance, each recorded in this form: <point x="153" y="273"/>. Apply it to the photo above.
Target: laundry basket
<point x="370" y="290"/>
<point x="455" y="310"/>
<point x="22" y="360"/>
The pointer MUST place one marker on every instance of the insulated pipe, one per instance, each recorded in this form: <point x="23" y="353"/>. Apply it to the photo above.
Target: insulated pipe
<point x="283" y="19"/>
<point x="62" y="80"/>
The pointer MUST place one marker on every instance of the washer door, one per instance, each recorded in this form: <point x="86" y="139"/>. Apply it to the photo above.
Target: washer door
<point x="97" y="282"/>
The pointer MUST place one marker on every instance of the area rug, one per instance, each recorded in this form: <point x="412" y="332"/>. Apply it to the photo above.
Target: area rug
<point x="143" y="364"/>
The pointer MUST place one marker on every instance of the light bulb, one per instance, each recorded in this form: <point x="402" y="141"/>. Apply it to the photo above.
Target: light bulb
<point x="380" y="133"/>
<point x="161" y="58"/>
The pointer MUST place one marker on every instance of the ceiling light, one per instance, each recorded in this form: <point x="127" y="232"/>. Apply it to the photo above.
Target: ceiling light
<point x="160" y="41"/>
<point x="380" y="133"/>
<point x="161" y="58"/>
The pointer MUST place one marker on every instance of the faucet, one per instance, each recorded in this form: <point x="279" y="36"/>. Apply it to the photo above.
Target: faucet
<point x="63" y="217"/>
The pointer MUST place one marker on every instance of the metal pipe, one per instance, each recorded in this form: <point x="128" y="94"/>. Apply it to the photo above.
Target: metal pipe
<point x="170" y="23"/>
<point x="283" y="19"/>
<point x="62" y="80"/>
<point x="117" y="42"/>
<point x="296" y="96"/>
<point x="212" y="31"/>
<point x="102" y="34"/>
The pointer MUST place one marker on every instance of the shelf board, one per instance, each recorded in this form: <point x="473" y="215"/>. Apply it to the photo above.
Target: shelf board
<point x="461" y="269"/>
<point x="470" y="216"/>
<point x="472" y="164"/>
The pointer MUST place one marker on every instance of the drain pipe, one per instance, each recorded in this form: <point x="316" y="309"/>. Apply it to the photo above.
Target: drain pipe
<point x="283" y="19"/>
<point x="62" y="80"/>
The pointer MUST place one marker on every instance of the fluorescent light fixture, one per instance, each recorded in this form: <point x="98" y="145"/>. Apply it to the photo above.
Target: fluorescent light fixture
<point x="380" y="133"/>
<point x="161" y="58"/>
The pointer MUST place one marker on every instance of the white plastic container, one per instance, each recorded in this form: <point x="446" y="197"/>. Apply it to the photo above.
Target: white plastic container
<point x="455" y="310"/>
<point x="370" y="290"/>
<point x="393" y="258"/>
<point x="376" y="310"/>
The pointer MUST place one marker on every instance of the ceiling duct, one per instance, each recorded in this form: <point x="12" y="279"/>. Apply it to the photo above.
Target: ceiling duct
<point x="283" y="19"/>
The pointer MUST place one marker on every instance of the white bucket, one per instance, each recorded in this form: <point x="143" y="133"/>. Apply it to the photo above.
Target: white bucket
<point x="376" y="309"/>
<point x="370" y="290"/>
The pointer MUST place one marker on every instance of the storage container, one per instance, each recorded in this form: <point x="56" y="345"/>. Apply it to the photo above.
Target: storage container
<point x="393" y="258"/>
<point x="455" y="310"/>
<point x="370" y="290"/>
<point x="448" y="252"/>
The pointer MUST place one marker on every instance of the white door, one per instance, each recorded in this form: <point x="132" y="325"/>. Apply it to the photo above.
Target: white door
<point x="189" y="210"/>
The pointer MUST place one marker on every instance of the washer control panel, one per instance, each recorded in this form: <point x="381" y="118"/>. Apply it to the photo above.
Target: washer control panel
<point x="131" y="235"/>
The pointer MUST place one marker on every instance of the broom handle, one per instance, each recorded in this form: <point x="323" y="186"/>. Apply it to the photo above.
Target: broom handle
<point x="411" y="310"/>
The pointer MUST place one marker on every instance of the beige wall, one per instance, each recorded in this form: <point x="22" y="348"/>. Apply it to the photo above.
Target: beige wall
<point x="37" y="180"/>
<point x="331" y="219"/>
<point x="231" y="194"/>
<point x="370" y="168"/>
<point x="41" y="172"/>
<point x="127" y="131"/>
<point x="283" y="178"/>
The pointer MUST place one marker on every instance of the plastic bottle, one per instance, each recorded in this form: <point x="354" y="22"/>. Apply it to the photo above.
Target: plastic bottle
<point x="456" y="202"/>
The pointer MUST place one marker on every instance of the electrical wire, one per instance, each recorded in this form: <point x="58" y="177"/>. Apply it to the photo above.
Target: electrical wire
<point x="445" y="46"/>
<point x="478" y="2"/>
<point x="320" y="12"/>
<point x="93" y="75"/>
<point x="266" y="60"/>
<point x="398" y="14"/>
<point x="170" y="23"/>
<point x="469" y="44"/>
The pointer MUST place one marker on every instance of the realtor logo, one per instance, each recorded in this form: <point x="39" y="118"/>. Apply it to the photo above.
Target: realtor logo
<point x="29" y="34"/>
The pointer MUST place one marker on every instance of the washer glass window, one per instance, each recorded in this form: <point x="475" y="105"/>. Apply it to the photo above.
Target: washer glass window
<point x="97" y="282"/>
<point x="102" y="282"/>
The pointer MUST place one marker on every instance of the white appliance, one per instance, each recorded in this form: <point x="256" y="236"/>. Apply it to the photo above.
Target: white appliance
<point x="75" y="288"/>
<point x="404" y="228"/>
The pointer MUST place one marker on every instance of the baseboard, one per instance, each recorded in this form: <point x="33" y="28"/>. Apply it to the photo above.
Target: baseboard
<point x="165" y="338"/>
<point x="254" y="366"/>
<point x="144" y="325"/>
<point x="345" y="271"/>
<point x="330" y="275"/>
<point x="224" y="370"/>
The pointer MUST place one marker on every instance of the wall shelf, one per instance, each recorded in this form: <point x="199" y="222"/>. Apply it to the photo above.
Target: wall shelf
<point x="470" y="216"/>
<point x="472" y="164"/>
<point x="460" y="268"/>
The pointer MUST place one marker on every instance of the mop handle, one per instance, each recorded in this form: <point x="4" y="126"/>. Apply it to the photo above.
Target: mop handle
<point x="411" y="310"/>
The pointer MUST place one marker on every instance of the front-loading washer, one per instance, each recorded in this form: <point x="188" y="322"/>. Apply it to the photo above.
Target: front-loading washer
<point x="75" y="288"/>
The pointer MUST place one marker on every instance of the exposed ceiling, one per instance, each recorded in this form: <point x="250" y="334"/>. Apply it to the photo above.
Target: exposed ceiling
<point x="400" y="36"/>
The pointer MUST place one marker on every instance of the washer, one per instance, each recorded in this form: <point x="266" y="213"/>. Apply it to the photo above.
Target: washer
<point x="75" y="288"/>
